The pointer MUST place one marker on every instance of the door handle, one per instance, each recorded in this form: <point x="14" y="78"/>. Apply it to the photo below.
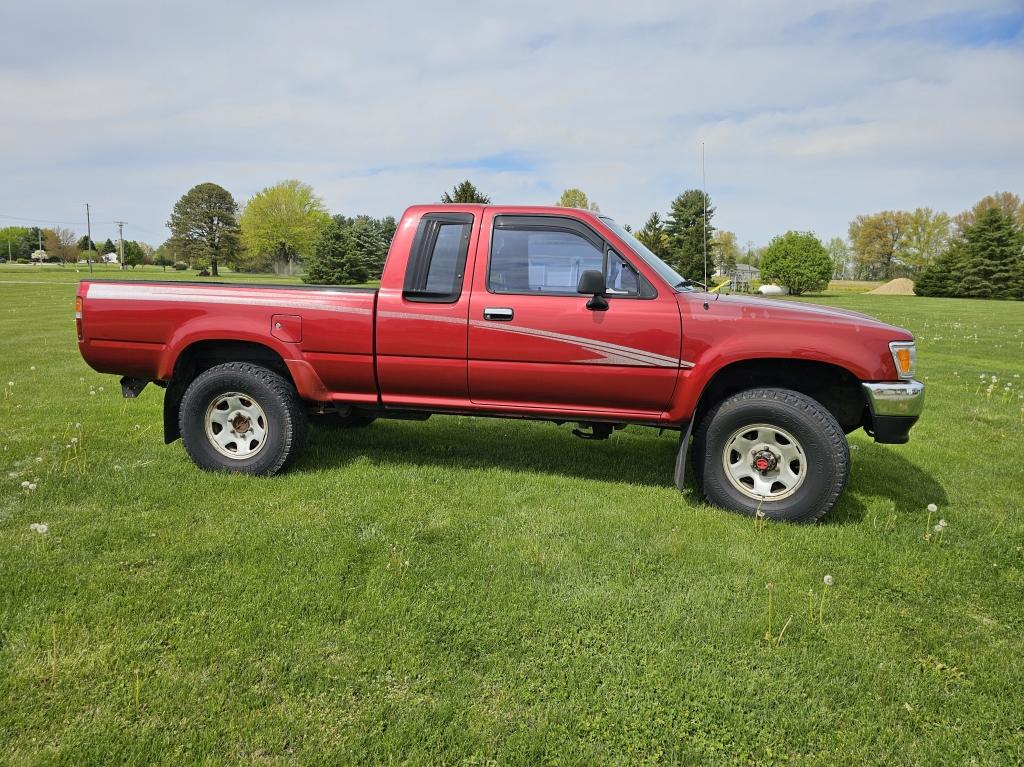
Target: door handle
<point x="498" y="314"/>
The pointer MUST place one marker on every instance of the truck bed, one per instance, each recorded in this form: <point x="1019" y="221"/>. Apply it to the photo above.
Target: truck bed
<point x="323" y="333"/>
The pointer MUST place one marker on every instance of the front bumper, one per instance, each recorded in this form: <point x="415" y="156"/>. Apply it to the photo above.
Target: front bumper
<point x="893" y="408"/>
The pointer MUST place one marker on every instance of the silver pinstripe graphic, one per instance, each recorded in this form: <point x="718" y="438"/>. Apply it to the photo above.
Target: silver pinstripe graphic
<point x="609" y="353"/>
<point x="210" y="296"/>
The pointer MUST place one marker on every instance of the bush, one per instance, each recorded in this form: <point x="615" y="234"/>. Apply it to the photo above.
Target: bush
<point x="23" y="261"/>
<point x="180" y="266"/>
<point x="798" y="261"/>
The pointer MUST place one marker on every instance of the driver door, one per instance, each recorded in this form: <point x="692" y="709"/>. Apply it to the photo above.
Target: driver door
<point x="534" y="343"/>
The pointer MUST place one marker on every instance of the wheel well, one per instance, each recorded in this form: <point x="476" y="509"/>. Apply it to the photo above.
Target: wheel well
<point x="203" y="355"/>
<point x="836" y="388"/>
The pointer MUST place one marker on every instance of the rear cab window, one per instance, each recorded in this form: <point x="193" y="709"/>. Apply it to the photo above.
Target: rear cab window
<point x="437" y="260"/>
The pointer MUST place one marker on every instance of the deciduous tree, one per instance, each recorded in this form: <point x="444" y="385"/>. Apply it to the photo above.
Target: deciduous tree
<point x="926" y="238"/>
<point x="281" y="224"/>
<point x="798" y="261"/>
<point x="204" y="226"/>
<point x="877" y="241"/>
<point x="1008" y="202"/>
<point x="576" y="198"/>
<point x="726" y="250"/>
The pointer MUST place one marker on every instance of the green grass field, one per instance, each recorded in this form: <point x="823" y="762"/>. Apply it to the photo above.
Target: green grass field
<point x="491" y="592"/>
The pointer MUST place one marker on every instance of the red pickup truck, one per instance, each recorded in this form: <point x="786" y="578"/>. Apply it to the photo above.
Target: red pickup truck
<point x="551" y="314"/>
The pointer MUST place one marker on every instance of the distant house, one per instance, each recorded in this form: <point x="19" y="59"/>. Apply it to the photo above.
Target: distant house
<point x="742" y="276"/>
<point x="109" y="258"/>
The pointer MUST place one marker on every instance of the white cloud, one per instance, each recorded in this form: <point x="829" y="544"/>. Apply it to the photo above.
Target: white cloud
<point x="810" y="114"/>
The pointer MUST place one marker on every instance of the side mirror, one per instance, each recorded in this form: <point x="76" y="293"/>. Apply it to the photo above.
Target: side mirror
<point x="592" y="283"/>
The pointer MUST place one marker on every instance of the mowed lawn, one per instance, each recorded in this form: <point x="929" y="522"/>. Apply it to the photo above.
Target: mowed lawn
<point x="491" y="592"/>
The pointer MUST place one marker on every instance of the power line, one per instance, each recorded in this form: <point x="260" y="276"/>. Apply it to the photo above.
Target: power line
<point x="43" y="221"/>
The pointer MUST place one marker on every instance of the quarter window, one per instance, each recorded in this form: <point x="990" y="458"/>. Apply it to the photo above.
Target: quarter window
<point x="437" y="261"/>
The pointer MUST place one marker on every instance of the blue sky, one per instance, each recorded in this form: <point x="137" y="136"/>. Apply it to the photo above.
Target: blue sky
<point x="811" y="113"/>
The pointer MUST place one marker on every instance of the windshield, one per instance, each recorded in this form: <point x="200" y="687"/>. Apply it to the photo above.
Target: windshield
<point x="666" y="272"/>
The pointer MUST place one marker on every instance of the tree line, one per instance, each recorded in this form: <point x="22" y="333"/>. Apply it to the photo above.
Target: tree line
<point x="286" y="228"/>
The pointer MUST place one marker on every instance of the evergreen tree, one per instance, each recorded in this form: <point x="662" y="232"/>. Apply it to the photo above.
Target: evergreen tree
<point x="334" y="260"/>
<point x="653" y="236"/>
<point x="942" y="275"/>
<point x="108" y="247"/>
<point x="466" y="192"/>
<point x="992" y="255"/>
<point x="685" y="229"/>
<point x="369" y="248"/>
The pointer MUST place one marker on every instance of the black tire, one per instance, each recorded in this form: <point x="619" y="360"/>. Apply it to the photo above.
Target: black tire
<point x="276" y="399"/>
<point x="819" y="438"/>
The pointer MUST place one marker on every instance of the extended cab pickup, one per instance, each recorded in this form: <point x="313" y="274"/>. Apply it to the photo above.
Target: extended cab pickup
<point x="525" y="312"/>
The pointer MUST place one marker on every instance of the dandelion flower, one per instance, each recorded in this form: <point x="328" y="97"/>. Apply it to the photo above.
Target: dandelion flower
<point x="74" y="440"/>
<point x="943" y="523"/>
<point x="10" y="383"/>
<point x="937" y="528"/>
<point x="828" y="580"/>
<point x="32" y="486"/>
<point x="24" y="485"/>
<point x="32" y="368"/>
<point x="932" y="508"/>
<point x="92" y="392"/>
<point x="41" y="528"/>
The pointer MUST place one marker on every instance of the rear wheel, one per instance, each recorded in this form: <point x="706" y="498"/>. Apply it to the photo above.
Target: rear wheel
<point x="244" y="418"/>
<point x="772" y="450"/>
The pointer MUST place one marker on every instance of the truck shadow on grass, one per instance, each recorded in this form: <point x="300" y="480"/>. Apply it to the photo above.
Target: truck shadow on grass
<point x="881" y="472"/>
<point x="635" y="456"/>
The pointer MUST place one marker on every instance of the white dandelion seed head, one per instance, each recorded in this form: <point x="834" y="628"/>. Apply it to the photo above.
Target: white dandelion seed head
<point x="74" y="440"/>
<point x="932" y="508"/>
<point x="994" y="379"/>
<point x="937" y="528"/>
<point x="32" y="368"/>
<point x="24" y="485"/>
<point x="829" y="580"/>
<point x="943" y="524"/>
<point x="78" y="426"/>
<point x="41" y="528"/>
<point x="32" y="485"/>
<point x="10" y="383"/>
<point x="39" y="459"/>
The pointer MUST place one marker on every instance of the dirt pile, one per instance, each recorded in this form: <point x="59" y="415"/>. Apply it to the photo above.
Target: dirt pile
<point x="901" y="286"/>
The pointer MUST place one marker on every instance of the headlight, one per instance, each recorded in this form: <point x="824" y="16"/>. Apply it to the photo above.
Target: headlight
<point x="904" y="355"/>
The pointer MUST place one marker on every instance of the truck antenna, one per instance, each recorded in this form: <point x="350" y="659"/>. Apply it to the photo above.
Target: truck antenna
<point x="704" y="188"/>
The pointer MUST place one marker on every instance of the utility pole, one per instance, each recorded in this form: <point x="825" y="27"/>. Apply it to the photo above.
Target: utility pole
<point x="88" y="234"/>
<point x="120" y="240"/>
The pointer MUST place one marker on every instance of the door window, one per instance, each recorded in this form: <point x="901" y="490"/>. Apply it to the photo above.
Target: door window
<point x="540" y="261"/>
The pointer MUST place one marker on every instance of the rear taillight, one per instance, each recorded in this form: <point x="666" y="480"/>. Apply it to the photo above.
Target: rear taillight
<point x="78" y="316"/>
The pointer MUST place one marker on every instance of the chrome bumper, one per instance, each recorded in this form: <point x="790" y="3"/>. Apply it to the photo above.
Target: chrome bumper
<point x="905" y="398"/>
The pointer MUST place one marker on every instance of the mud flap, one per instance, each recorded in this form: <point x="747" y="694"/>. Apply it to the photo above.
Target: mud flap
<point x="684" y="443"/>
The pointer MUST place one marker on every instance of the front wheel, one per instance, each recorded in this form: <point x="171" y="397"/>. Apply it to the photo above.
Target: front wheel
<point x="242" y="418"/>
<point x="775" y="451"/>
